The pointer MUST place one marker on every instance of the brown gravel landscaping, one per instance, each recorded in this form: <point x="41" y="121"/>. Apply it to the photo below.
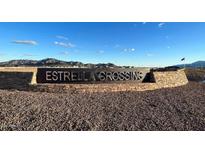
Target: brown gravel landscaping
<point x="181" y="108"/>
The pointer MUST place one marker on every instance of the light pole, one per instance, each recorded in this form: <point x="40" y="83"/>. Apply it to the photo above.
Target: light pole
<point x="183" y="59"/>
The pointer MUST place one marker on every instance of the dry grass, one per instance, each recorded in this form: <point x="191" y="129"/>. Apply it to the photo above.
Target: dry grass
<point x="181" y="108"/>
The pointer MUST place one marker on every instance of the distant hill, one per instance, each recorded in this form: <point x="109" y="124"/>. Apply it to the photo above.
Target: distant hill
<point x="197" y="64"/>
<point x="52" y="62"/>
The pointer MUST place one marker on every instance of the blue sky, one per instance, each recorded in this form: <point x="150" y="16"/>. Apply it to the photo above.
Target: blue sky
<point x="128" y="43"/>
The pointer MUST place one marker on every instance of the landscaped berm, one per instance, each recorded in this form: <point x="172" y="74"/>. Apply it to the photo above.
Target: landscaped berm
<point x="164" y="101"/>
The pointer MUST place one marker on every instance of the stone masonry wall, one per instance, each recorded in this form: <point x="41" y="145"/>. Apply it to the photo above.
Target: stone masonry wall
<point x="15" y="80"/>
<point x="167" y="79"/>
<point x="25" y="80"/>
<point x="170" y="78"/>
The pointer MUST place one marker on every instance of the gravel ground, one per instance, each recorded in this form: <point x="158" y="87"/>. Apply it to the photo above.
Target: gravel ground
<point x="181" y="108"/>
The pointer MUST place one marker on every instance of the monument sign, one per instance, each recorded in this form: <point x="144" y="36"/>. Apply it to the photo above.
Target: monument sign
<point x="86" y="75"/>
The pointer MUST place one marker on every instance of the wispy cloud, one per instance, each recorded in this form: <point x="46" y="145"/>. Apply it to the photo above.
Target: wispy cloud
<point x="160" y="25"/>
<point x="116" y="46"/>
<point x="63" y="44"/>
<point x="101" y="51"/>
<point x="61" y="37"/>
<point x="64" y="53"/>
<point x="28" y="54"/>
<point x="2" y="54"/>
<point x="76" y="51"/>
<point x="27" y="42"/>
<point x="129" y="49"/>
<point x="149" y="54"/>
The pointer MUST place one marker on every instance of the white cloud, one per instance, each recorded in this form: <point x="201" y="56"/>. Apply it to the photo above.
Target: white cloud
<point x="160" y="25"/>
<point x="116" y="46"/>
<point x="28" y="54"/>
<point x="61" y="37"/>
<point x="149" y="54"/>
<point x="64" y="53"/>
<point x="63" y="44"/>
<point x="2" y="54"/>
<point x="27" y="42"/>
<point x="101" y="51"/>
<point x="129" y="49"/>
<point x="76" y="51"/>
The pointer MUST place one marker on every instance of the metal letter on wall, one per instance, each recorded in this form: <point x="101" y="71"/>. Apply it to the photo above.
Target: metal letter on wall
<point x="86" y="75"/>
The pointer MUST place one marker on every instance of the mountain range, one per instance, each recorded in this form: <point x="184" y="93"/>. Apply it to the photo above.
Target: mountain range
<point x="52" y="62"/>
<point x="197" y="64"/>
